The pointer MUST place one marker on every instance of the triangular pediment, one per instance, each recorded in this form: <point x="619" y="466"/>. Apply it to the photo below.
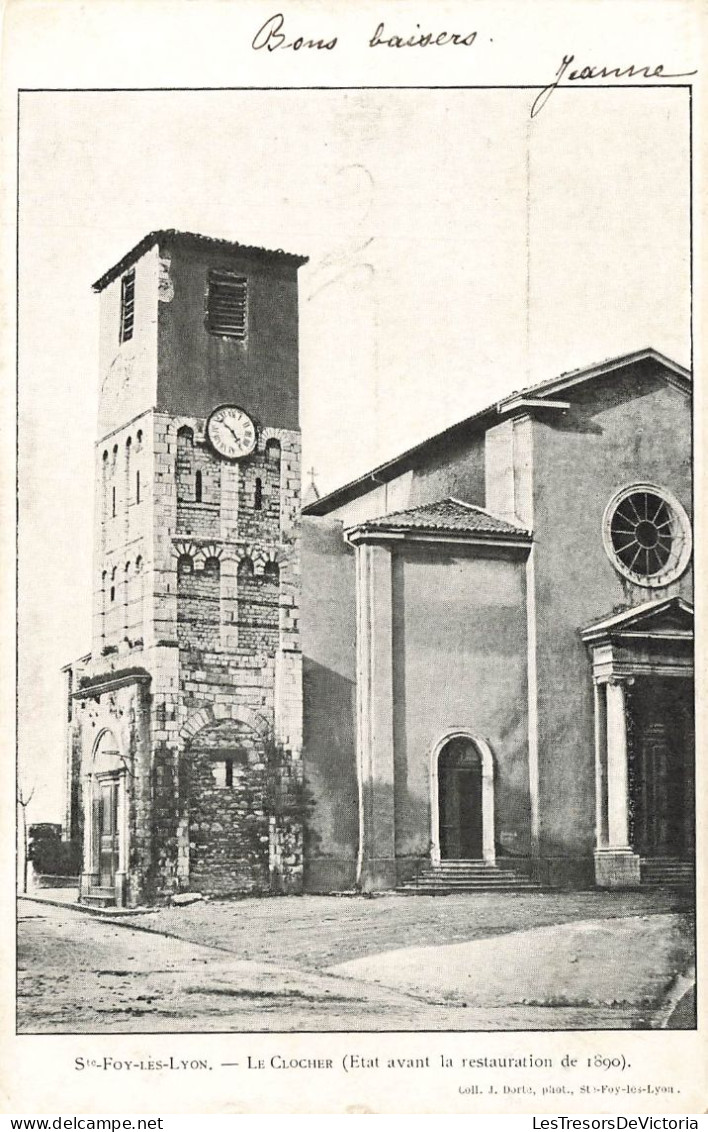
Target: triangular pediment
<point x="668" y="618"/>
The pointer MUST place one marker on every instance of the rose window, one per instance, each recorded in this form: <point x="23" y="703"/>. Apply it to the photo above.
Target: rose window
<point x="647" y="535"/>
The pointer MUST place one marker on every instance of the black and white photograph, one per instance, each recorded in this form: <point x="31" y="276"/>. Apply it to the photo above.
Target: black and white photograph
<point x="355" y="547"/>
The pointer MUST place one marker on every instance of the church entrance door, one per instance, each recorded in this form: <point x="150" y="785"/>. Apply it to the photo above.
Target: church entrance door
<point x="108" y="832"/>
<point x="460" y="800"/>
<point x="661" y="767"/>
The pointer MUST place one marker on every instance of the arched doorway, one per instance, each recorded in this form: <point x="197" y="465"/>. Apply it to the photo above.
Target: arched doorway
<point x="462" y="799"/>
<point x="106" y="834"/>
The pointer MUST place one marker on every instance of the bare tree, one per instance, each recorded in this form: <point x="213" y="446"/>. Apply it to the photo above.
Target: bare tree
<point x="23" y="801"/>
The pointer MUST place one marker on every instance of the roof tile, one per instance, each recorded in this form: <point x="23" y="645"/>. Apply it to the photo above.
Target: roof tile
<point x="447" y="515"/>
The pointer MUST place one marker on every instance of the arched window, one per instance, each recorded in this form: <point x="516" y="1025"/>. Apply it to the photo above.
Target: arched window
<point x="105" y="456"/>
<point x="273" y="451"/>
<point x="185" y="565"/>
<point x="115" y="453"/>
<point x="212" y="567"/>
<point x="245" y="567"/>
<point x="185" y="434"/>
<point x="138" y="564"/>
<point x="139" y="437"/>
<point x="198" y="487"/>
<point x="258" y="500"/>
<point x="271" y="572"/>
<point x="113" y="584"/>
<point x="128" y="444"/>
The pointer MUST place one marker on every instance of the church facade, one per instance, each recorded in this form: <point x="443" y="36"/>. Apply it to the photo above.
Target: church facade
<point x="513" y="682"/>
<point x="479" y="656"/>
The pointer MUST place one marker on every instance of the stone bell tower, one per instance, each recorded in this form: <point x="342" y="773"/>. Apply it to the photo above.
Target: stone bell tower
<point x="186" y="719"/>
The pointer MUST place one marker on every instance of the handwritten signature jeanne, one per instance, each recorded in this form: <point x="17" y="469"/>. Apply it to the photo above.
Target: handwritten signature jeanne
<point x="585" y="73"/>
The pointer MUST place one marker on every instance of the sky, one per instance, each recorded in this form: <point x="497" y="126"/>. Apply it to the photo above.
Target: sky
<point x="458" y="250"/>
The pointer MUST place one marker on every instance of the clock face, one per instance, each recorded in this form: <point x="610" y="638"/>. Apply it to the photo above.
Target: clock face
<point x="231" y="432"/>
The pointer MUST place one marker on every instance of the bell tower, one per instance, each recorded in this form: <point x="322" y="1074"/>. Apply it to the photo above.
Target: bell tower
<point x="187" y="719"/>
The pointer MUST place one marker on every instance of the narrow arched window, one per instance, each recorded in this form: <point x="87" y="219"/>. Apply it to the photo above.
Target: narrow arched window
<point x="198" y="487"/>
<point x="273" y="451"/>
<point x="258" y="500"/>
<point x="212" y="567"/>
<point x="271" y="571"/>
<point x="245" y="568"/>
<point x="137" y="487"/>
<point x="185" y="564"/>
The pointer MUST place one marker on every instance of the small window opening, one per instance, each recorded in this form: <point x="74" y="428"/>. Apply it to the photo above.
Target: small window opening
<point x="198" y="487"/>
<point x="127" y="305"/>
<point x="137" y="487"/>
<point x="271" y="571"/>
<point x="273" y="451"/>
<point x="226" y="304"/>
<point x="229" y="772"/>
<point x="113" y="502"/>
<point x="259" y="494"/>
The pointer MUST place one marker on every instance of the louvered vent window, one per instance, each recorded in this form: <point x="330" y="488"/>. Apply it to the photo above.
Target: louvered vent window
<point x="226" y="304"/>
<point x="127" y="306"/>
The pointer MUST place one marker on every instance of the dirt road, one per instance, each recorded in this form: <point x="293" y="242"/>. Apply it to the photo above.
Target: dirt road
<point x="81" y="974"/>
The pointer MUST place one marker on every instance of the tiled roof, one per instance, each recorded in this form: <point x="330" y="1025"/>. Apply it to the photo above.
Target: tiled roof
<point x="446" y="516"/>
<point x="161" y="235"/>
<point x="484" y="419"/>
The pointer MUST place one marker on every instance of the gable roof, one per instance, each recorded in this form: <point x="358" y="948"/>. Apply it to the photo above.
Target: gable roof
<point x="668" y="617"/>
<point x="444" y="517"/>
<point x="541" y="396"/>
<point x="168" y="235"/>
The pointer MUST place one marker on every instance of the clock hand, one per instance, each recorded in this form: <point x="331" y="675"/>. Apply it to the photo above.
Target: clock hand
<point x="235" y="435"/>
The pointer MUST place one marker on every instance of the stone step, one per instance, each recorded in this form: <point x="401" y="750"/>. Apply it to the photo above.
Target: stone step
<point x="462" y="890"/>
<point x="99" y="898"/>
<point x="655" y="871"/>
<point x="466" y="876"/>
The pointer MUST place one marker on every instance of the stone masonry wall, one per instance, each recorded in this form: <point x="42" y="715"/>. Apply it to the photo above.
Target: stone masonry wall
<point x="225" y="595"/>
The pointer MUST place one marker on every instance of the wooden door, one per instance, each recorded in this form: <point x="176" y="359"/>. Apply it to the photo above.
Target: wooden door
<point x="460" y="803"/>
<point x="108" y="832"/>
<point x="661" y="769"/>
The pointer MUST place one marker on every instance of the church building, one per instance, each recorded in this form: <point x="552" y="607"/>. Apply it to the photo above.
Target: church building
<point x="470" y="668"/>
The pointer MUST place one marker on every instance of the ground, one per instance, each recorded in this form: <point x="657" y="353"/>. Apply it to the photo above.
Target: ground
<point x="489" y="961"/>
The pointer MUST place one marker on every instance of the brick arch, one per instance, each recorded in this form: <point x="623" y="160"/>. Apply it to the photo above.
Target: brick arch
<point x="260" y="555"/>
<point x="270" y="433"/>
<point x="212" y="714"/>
<point x="184" y="548"/>
<point x="208" y="550"/>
